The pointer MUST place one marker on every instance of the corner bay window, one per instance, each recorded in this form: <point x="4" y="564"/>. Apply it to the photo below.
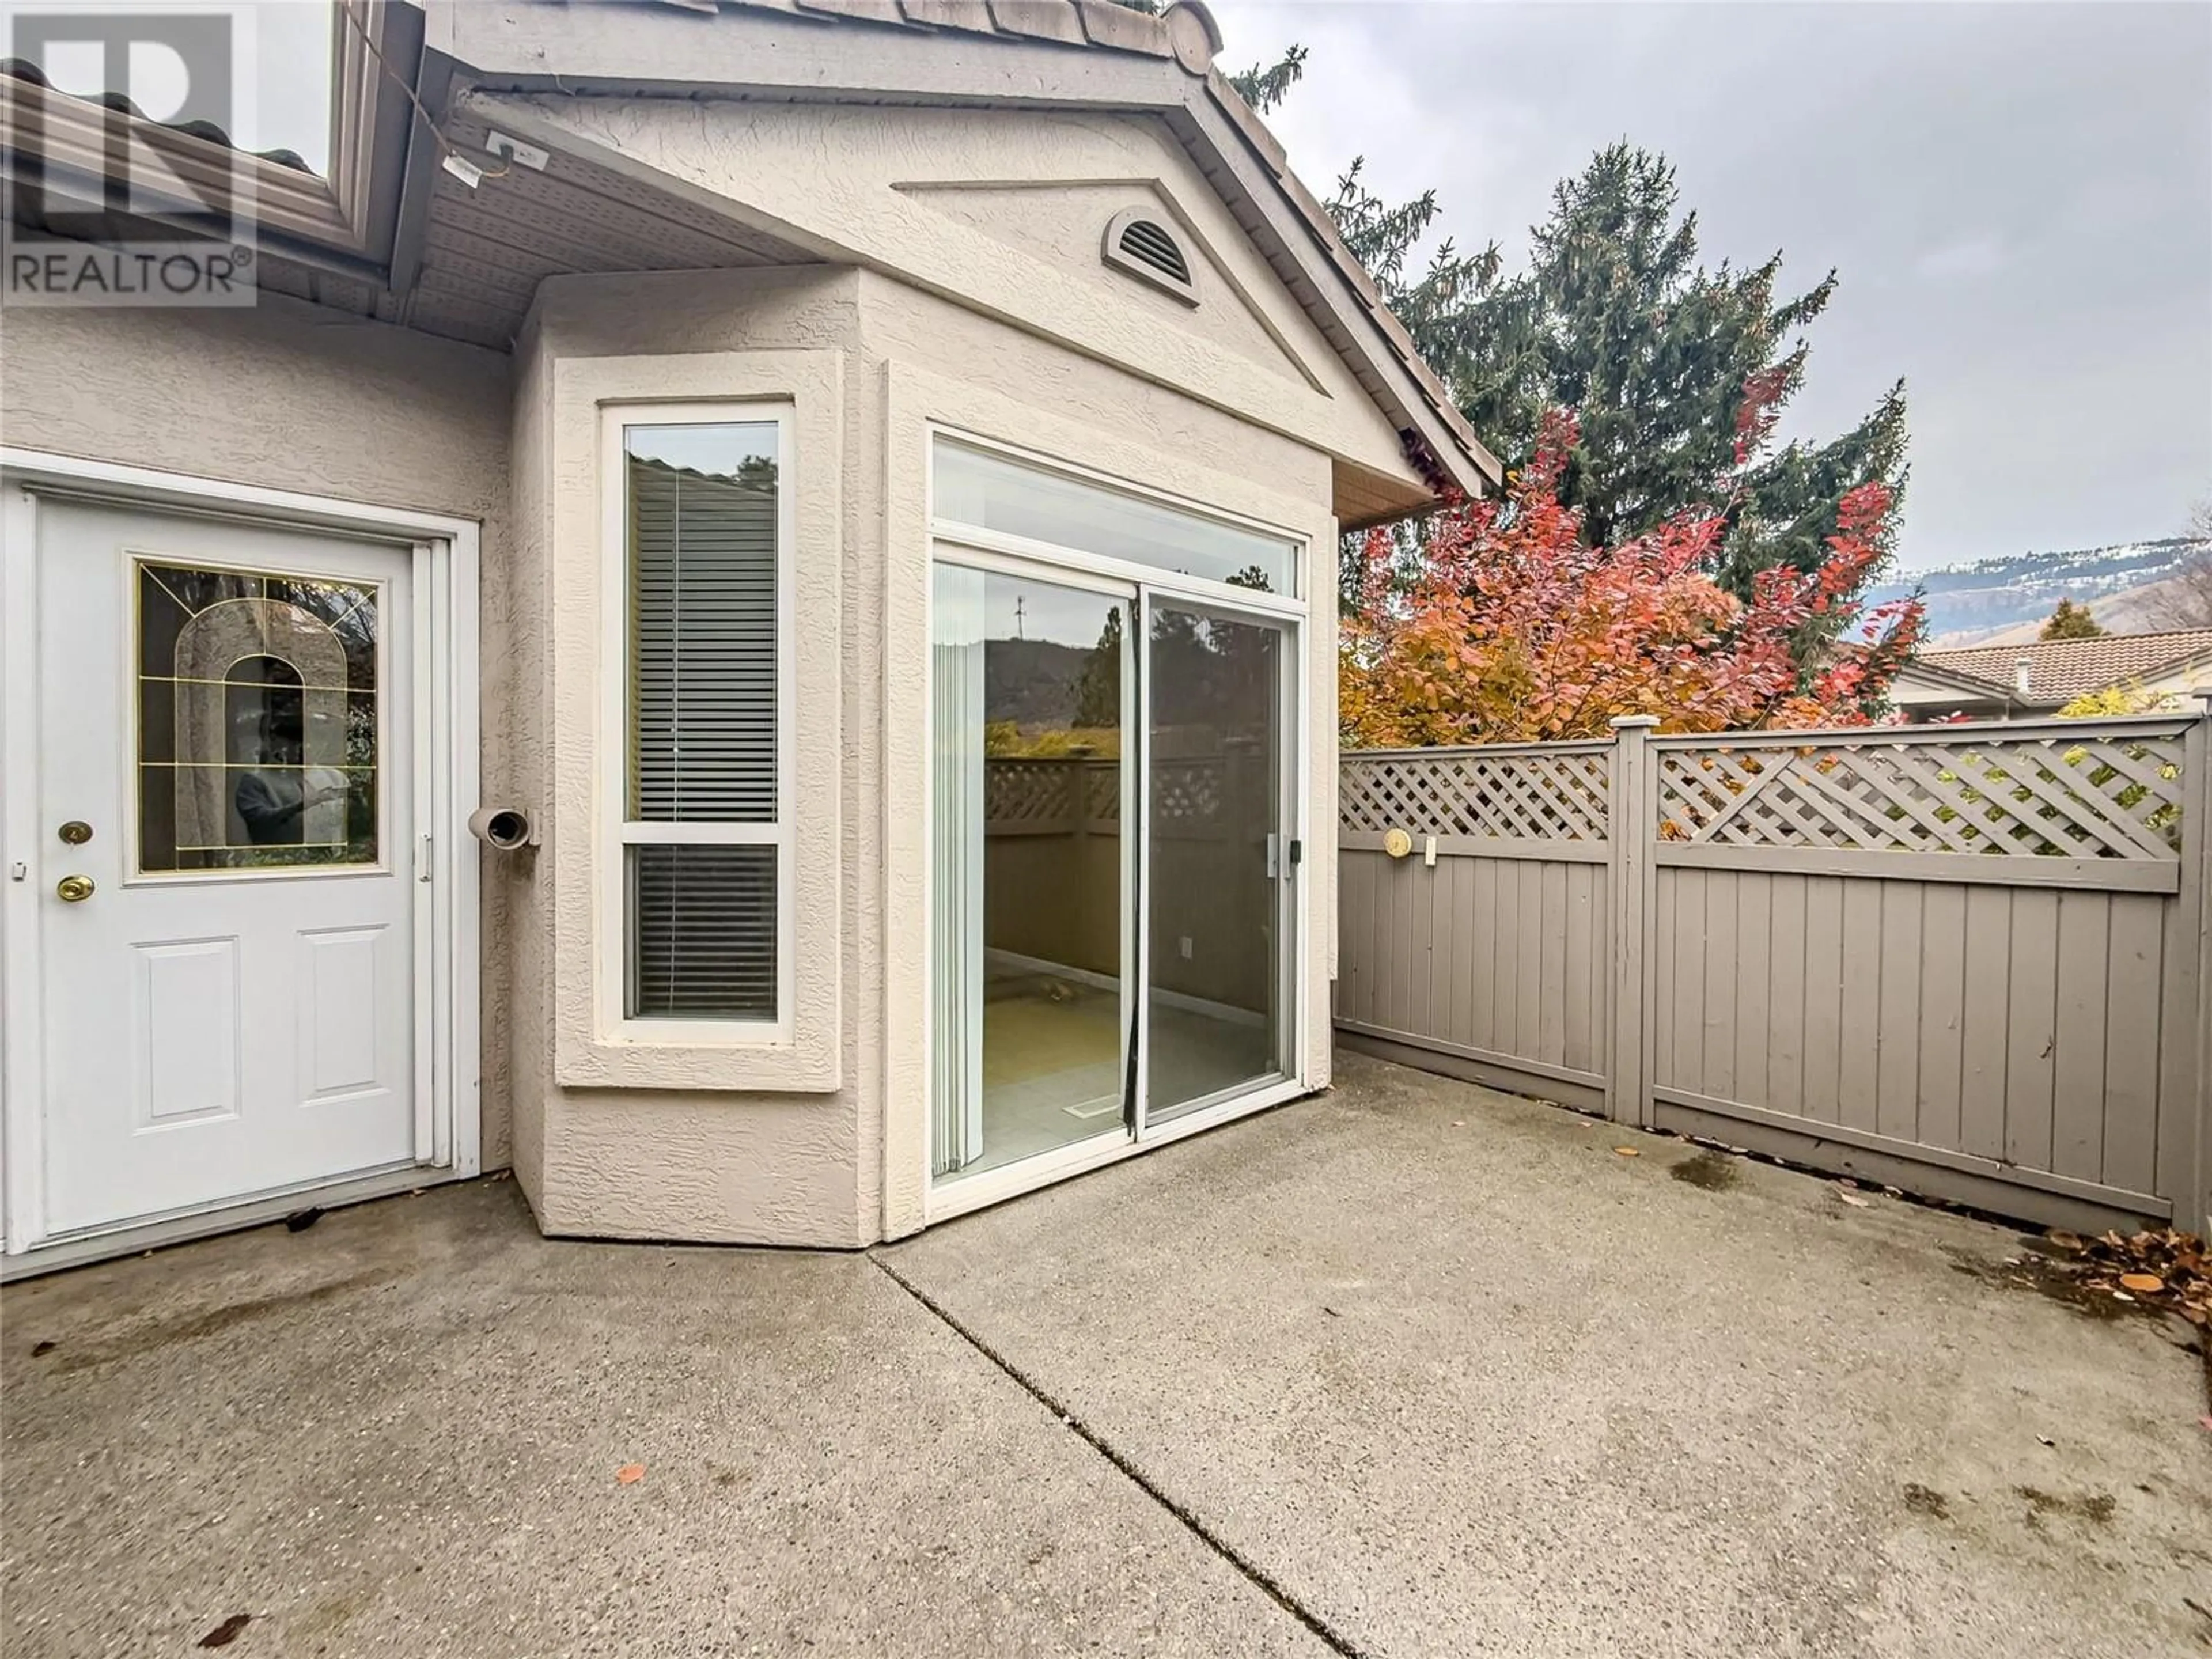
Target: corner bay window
<point x="705" y="814"/>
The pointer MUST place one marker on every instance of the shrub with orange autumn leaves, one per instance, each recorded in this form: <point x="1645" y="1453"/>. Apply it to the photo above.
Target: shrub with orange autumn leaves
<point x="1514" y="631"/>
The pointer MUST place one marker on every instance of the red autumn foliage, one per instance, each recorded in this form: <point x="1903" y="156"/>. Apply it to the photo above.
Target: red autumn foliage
<point x="1515" y="631"/>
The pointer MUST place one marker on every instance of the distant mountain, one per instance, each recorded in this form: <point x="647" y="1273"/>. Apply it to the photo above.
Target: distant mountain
<point x="1990" y="600"/>
<point x="1032" y="682"/>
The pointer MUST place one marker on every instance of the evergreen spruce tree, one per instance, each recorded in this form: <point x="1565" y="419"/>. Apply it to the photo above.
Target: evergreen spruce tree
<point x="1676" y="372"/>
<point x="2072" y="621"/>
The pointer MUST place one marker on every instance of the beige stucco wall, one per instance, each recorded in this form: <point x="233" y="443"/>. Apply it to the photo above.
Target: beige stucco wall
<point x="685" y="1159"/>
<point x="1003" y="210"/>
<point x="287" y="396"/>
<point x="1240" y="410"/>
<point x="844" y="1167"/>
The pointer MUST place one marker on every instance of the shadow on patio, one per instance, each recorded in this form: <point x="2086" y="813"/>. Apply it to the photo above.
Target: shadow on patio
<point x="1413" y="1368"/>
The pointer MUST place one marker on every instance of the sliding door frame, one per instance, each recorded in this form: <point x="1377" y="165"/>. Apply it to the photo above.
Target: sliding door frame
<point x="957" y="552"/>
<point x="1138" y="586"/>
<point x="1287" y="892"/>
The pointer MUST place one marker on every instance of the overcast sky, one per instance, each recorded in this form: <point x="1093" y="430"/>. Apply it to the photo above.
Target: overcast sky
<point x="2017" y="199"/>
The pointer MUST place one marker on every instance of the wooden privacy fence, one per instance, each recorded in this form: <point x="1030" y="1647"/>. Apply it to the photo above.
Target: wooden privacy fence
<point x="1968" y="960"/>
<point x="1052" y="853"/>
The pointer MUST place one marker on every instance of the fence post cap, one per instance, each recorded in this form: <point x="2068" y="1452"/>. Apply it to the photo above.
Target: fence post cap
<point x="1632" y="722"/>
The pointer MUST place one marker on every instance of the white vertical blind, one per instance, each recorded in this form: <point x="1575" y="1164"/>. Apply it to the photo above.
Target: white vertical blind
<point x="703" y="519"/>
<point x="956" y="854"/>
<point x="703" y="646"/>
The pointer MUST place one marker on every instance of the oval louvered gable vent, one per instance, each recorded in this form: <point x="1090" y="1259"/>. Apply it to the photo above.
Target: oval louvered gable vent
<point x="1139" y="245"/>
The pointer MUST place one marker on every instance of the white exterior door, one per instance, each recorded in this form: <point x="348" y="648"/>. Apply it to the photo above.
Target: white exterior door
<point x="224" y="859"/>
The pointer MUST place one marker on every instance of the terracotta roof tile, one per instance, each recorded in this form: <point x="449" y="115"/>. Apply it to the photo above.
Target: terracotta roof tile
<point x="1040" y="19"/>
<point x="20" y="69"/>
<point x="972" y="16"/>
<point x="868" y="11"/>
<point x="1264" y="142"/>
<point x="1027" y="19"/>
<point x="1110" y="25"/>
<point x="2059" y="671"/>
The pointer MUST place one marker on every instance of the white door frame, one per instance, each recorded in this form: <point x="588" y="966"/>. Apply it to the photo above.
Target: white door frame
<point x="447" y="1013"/>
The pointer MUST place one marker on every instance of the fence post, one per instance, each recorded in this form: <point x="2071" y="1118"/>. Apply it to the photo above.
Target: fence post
<point x="1629" y="837"/>
<point x="2192" y="1205"/>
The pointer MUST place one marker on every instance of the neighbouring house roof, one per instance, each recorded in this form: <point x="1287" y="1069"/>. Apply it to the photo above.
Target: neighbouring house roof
<point x="1920" y="670"/>
<point x="2058" y="671"/>
<point x="339" y="218"/>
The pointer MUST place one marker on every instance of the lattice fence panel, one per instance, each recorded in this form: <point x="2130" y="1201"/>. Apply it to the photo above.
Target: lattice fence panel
<point x="1036" y="795"/>
<point x="2103" y="798"/>
<point x="1521" y="795"/>
<point x="1102" y="784"/>
<point x="1027" y="792"/>
<point x="1185" y="793"/>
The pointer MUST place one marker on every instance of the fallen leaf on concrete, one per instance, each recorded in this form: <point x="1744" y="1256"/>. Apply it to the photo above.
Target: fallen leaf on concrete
<point x="629" y="1474"/>
<point x="1627" y="1152"/>
<point x="2166" y="1267"/>
<point x="226" y="1632"/>
<point x="2065" y="1240"/>
<point x="1856" y="1202"/>
<point x="2205" y="1421"/>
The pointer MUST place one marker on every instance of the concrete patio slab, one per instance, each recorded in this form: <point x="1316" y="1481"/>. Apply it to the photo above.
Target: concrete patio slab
<point x="1460" y="1378"/>
<point x="399" y="1433"/>
<point x="1413" y="1370"/>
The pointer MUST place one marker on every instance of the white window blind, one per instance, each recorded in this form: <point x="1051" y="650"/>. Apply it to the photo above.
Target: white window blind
<point x="705" y="927"/>
<point x="704" y="813"/>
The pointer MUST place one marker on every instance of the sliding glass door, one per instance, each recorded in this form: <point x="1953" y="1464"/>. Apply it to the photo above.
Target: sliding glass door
<point x="1114" y="794"/>
<point x="1031" y="980"/>
<point x="1112" y="860"/>
<point x="1219" y="856"/>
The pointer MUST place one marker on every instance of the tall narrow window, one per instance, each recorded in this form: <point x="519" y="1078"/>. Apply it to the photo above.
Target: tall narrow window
<point x="706" y="846"/>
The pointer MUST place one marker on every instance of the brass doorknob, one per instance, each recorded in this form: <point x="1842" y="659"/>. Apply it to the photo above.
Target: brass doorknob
<point x="74" y="889"/>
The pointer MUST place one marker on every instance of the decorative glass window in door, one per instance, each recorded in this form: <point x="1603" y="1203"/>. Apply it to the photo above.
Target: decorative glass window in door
<point x="258" y="719"/>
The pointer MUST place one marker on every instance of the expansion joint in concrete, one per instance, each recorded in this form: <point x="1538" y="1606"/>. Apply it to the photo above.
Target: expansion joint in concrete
<point x="1258" y="1576"/>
